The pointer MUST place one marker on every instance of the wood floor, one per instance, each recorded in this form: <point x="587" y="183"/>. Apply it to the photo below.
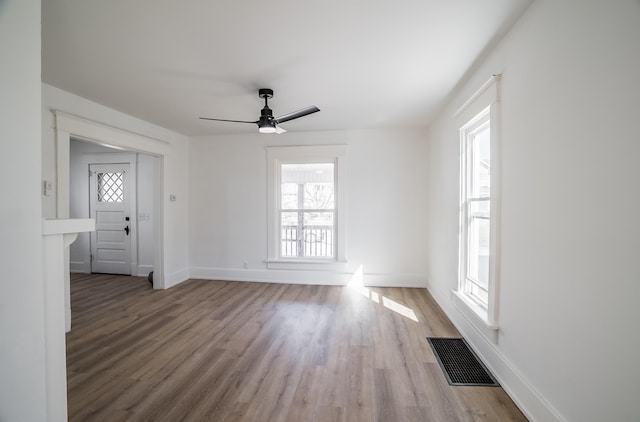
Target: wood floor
<point x="233" y="351"/>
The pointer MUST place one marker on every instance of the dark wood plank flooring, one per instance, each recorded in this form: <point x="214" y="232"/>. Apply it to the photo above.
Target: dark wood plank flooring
<point x="234" y="351"/>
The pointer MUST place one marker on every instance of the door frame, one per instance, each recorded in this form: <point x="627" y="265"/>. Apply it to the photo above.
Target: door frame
<point x="68" y="126"/>
<point x="117" y="158"/>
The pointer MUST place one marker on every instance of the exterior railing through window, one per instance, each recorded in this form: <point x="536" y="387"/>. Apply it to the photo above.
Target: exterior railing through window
<point x="312" y="242"/>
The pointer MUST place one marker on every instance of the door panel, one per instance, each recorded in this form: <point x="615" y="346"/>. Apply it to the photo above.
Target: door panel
<point x="109" y="205"/>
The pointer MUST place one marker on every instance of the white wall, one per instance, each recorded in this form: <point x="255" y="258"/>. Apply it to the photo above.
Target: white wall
<point x="569" y="336"/>
<point x="386" y="201"/>
<point x="174" y="166"/>
<point x="22" y="366"/>
<point x="79" y="205"/>
<point x="147" y="166"/>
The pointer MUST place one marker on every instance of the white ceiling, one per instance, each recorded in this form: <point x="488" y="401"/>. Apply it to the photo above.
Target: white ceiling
<point x="364" y="63"/>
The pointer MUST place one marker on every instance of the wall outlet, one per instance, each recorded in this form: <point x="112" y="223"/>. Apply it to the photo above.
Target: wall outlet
<point x="245" y="265"/>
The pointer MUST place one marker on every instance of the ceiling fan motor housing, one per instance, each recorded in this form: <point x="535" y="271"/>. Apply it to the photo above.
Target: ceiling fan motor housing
<point x="265" y="93"/>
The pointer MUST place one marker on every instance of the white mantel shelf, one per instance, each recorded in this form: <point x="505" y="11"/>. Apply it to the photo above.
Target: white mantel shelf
<point x="57" y="235"/>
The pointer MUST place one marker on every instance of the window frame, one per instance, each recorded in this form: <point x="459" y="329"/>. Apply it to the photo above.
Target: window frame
<point x="482" y="106"/>
<point x="276" y="157"/>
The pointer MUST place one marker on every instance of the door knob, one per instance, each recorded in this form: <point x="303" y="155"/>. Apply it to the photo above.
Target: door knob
<point x="126" y="229"/>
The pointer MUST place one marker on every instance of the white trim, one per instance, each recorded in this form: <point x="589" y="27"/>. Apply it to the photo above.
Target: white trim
<point x="308" y="277"/>
<point x="108" y="135"/>
<point x="412" y="281"/>
<point x="534" y="406"/>
<point x="67" y="126"/>
<point x="306" y="264"/>
<point x="144" y="270"/>
<point x="57" y="235"/>
<point x="172" y="279"/>
<point x="488" y="93"/>
<point x="475" y="315"/>
<point x="487" y="97"/>
<point x="271" y="276"/>
<point x="82" y="267"/>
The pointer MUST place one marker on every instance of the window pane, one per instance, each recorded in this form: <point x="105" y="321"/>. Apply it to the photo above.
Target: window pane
<point x="480" y="156"/>
<point x="479" y="293"/>
<point x="289" y="193"/>
<point x="318" y="196"/>
<point x="478" y="243"/>
<point x="318" y="234"/>
<point x="307" y="234"/>
<point x="307" y="186"/>
<point x="289" y="234"/>
<point x="110" y="187"/>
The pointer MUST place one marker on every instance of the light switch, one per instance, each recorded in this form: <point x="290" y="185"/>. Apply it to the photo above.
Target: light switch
<point x="47" y="187"/>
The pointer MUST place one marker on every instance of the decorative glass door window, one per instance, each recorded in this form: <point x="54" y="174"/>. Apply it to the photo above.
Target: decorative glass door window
<point x="110" y="187"/>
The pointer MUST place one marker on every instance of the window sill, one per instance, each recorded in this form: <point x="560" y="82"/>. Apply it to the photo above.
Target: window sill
<point x="306" y="264"/>
<point x="475" y="315"/>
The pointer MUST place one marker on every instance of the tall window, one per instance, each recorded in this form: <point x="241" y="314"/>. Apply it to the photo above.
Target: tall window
<point x="476" y="208"/>
<point x="306" y="206"/>
<point x="478" y="120"/>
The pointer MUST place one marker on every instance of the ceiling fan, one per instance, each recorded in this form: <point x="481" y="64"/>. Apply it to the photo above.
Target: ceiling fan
<point x="267" y="123"/>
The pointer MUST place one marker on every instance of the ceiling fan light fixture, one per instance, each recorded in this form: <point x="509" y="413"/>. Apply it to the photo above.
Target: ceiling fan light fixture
<point x="267" y="129"/>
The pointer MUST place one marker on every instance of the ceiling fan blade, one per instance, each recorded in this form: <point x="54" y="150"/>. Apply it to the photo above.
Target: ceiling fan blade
<point x="279" y="130"/>
<point x="232" y="121"/>
<point x="297" y="114"/>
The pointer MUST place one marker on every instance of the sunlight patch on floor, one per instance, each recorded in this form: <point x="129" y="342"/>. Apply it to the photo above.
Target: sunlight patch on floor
<point x="357" y="284"/>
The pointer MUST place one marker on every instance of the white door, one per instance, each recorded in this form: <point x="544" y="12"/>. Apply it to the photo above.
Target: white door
<point x="109" y="204"/>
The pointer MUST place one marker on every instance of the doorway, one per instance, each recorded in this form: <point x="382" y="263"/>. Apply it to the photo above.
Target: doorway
<point x="67" y="127"/>
<point x="119" y="189"/>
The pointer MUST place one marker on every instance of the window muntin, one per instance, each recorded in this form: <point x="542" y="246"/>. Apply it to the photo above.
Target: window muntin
<point x="476" y="208"/>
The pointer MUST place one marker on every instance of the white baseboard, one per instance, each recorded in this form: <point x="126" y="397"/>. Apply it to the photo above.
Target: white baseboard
<point x="327" y="278"/>
<point x="67" y="320"/>
<point x="417" y="281"/>
<point x="522" y="392"/>
<point x="269" y="276"/>
<point x="144" y="270"/>
<point x="175" y="278"/>
<point x="79" y="267"/>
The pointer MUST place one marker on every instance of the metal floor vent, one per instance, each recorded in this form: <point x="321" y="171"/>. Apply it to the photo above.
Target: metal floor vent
<point x="459" y="364"/>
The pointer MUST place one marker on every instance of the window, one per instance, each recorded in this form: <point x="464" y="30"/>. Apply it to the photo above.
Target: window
<point x="306" y="206"/>
<point x="479" y="206"/>
<point x="475" y="189"/>
<point x="110" y="187"/>
<point x="307" y="210"/>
